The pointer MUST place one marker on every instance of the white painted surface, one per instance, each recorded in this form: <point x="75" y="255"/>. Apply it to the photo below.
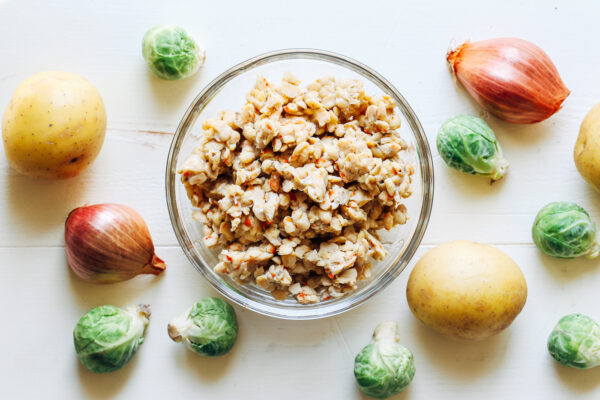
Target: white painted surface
<point x="405" y="41"/>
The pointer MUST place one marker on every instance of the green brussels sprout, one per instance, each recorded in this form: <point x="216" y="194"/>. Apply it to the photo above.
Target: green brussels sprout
<point x="468" y="144"/>
<point x="565" y="230"/>
<point x="575" y="342"/>
<point x="107" y="337"/>
<point x="171" y="53"/>
<point x="209" y="327"/>
<point x="384" y="368"/>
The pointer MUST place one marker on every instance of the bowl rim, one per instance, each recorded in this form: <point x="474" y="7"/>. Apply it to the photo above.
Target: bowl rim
<point x="423" y="153"/>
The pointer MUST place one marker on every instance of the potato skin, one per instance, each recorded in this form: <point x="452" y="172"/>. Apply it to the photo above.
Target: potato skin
<point x="466" y="290"/>
<point x="54" y="125"/>
<point x="587" y="148"/>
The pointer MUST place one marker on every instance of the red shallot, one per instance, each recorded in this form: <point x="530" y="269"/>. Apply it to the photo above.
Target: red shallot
<point x="512" y="78"/>
<point x="109" y="243"/>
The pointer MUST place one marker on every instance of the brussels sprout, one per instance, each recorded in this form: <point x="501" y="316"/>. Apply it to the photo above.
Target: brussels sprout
<point x="575" y="342"/>
<point x="565" y="230"/>
<point x="384" y="368"/>
<point x="171" y="53"/>
<point x="107" y="337"/>
<point x="468" y="144"/>
<point x="209" y="327"/>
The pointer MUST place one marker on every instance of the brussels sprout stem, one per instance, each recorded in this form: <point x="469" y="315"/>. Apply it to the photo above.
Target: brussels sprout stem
<point x="144" y="309"/>
<point x="386" y="332"/>
<point x="594" y="251"/>
<point x="174" y="333"/>
<point x="140" y="313"/>
<point x="177" y="326"/>
<point x="500" y="170"/>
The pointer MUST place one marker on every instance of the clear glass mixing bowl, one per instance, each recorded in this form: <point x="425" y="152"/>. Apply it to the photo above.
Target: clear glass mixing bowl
<point x="227" y="92"/>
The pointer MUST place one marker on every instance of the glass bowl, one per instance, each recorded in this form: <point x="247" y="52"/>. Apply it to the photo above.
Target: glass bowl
<point x="227" y="92"/>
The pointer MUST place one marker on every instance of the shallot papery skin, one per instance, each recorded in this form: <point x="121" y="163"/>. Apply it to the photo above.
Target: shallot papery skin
<point x="108" y="243"/>
<point x="512" y="78"/>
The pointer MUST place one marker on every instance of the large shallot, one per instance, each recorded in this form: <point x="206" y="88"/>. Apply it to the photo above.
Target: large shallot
<point x="109" y="243"/>
<point x="512" y="78"/>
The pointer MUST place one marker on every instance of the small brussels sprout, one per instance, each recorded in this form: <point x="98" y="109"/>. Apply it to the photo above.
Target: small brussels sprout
<point x="209" y="327"/>
<point x="468" y="144"/>
<point x="565" y="230"/>
<point x="107" y="337"/>
<point x="575" y="342"/>
<point x="384" y="368"/>
<point x="171" y="53"/>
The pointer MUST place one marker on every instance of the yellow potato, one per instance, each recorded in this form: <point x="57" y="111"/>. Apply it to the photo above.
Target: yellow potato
<point x="54" y="125"/>
<point x="587" y="148"/>
<point x="466" y="290"/>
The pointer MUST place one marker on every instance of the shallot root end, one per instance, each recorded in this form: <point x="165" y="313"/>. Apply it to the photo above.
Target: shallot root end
<point x="155" y="267"/>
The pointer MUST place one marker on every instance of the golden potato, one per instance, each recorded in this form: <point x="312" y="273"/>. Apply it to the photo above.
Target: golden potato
<point x="466" y="290"/>
<point x="587" y="148"/>
<point x="54" y="125"/>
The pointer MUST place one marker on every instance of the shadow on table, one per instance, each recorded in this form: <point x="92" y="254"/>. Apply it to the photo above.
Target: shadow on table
<point x="289" y="336"/>
<point x="565" y="270"/>
<point x="462" y="360"/>
<point x="577" y="380"/>
<point x="104" y="386"/>
<point x="38" y="205"/>
<point x="208" y="369"/>
<point x="519" y="135"/>
<point x="122" y="294"/>
<point x="403" y="395"/>
<point x="469" y="185"/>
<point x="170" y="94"/>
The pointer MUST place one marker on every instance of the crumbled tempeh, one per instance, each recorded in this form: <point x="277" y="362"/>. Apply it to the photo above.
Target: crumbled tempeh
<point x="296" y="185"/>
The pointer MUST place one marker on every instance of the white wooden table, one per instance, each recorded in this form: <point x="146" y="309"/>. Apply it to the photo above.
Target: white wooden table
<point x="274" y="359"/>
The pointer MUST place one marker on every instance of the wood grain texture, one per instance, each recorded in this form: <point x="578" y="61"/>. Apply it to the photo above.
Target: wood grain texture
<point x="273" y="357"/>
<point x="406" y="42"/>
